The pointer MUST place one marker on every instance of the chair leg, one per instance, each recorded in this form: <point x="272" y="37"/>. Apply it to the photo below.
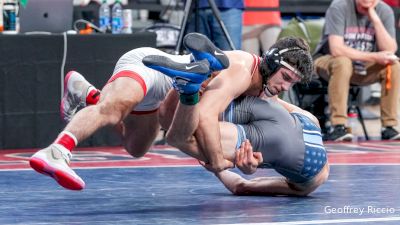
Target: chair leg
<point x="361" y="119"/>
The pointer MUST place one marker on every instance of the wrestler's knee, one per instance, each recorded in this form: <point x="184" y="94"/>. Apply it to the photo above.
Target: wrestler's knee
<point x="164" y="118"/>
<point x="136" y="145"/>
<point x="135" y="150"/>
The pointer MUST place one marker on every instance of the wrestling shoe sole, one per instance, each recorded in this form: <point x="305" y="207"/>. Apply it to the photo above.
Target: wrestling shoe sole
<point x="195" y="72"/>
<point x="203" y="48"/>
<point x="64" y="179"/>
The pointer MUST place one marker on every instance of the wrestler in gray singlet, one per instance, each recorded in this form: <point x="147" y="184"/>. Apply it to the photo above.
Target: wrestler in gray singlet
<point x="291" y="143"/>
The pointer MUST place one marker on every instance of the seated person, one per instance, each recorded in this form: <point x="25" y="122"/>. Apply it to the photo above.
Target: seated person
<point x="357" y="47"/>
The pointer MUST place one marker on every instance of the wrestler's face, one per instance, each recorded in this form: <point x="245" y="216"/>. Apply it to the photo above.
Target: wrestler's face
<point x="282" y="80"/>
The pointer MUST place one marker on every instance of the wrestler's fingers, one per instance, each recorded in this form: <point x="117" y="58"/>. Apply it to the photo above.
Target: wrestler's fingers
<point x="258" y="157"/>
<point x="249" y="150"/>
<point x="238" y="160"/>
<point x="242" y="151"/>
<point x="245" y="155"/>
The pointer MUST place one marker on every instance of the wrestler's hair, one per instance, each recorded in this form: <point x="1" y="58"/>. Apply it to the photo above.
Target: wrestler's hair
<point x="293" y="50"/>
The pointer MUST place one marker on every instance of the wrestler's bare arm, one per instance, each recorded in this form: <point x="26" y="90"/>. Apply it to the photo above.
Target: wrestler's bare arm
<point x="229" y="84"/>
<point x="269" y="186"/>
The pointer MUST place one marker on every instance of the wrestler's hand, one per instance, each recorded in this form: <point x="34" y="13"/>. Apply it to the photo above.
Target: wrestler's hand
<point x="216" y="169"/>
<point x="247" y="160"/>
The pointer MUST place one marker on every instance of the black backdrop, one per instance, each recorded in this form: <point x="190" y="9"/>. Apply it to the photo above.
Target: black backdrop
<point x="30" y="82"/>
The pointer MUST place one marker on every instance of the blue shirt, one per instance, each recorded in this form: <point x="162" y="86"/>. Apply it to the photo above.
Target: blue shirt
<point x="223" y="4"/>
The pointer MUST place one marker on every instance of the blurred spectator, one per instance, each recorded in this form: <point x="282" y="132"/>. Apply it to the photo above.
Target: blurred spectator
<point x="393" y="3"/>
<point x="231" y="15"/>
<point x="261" y="27"/>
<point x="357" y="47"/>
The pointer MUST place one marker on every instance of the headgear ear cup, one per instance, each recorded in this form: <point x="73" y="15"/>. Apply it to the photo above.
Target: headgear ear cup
<point x="272" y="58"/>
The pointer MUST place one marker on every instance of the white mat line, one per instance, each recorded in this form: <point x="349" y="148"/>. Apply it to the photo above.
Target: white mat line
<point x="336" y="221"/>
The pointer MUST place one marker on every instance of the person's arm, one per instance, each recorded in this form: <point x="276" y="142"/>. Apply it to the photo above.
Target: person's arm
<point x="384" y="40"/>
<point x="219" y="93"/>
<point x="269" y="186"/>
<point x="337" y="47"/>
<point x="182" y="132"/>
<point x="335" y="26"/>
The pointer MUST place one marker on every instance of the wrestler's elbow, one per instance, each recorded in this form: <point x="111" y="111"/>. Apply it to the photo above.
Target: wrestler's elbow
<point x="239" y="188"/>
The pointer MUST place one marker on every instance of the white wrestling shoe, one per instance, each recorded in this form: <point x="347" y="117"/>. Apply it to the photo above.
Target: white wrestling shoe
<point x="75" y="91"/>
<point x="54" y="161"/>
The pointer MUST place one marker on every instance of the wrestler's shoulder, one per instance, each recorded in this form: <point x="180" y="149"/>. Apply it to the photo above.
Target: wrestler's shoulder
<point x="240" y="59"/>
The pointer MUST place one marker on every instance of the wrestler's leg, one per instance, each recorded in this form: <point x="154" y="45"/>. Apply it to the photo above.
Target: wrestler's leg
<point x="168" y="108"/>
<point x="137" y="131"/>
<point x="116" y="101"/>
<point x="140" y="132"/>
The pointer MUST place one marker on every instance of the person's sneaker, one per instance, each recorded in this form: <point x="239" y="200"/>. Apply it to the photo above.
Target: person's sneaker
<point x="54" y="161"/>
<point x="195" y="72"/>
<point x="389" y="133"/>
<point x="202" y="48"/>
<point x="338" y="133"/>
<point x="75" y="90"/>
<point x="187" y="76"/>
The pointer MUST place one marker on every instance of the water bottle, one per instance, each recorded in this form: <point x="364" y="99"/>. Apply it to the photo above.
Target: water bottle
<point x="117" y="22"/>
<point x="1" y="17"/>
<point x="104" y="17"/>
<point x="127" y="19"/>
<point x="352" y="121"/>
<point x="10" y="19"/>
